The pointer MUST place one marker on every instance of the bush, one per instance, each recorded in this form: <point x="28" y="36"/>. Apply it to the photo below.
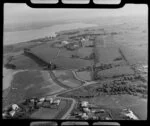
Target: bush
<point x="10" y="66"/>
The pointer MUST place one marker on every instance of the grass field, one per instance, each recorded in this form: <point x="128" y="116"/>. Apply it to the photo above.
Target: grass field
<point x="84" y="52"/>
<point x="116" y="71"/>
<point x="85" y="75"/>
<point x="24" y="62"/>
<point x="138" y="106"/>
<point x="28" y="84"/>
<point x="106" y="55"/>
<point x="67" y="78"/>
<point x="63" y="60"/>
<point x="45" y="52"/>
<point x="69" y="63"/>
<point x="136" y="54"/>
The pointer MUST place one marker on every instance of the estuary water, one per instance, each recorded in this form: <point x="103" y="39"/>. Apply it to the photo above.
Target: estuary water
<point x="23" y="36"/>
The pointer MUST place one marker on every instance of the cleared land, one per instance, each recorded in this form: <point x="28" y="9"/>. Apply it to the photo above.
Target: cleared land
<point x="24" y="62"/>
<point x="69" y="63"/>
<point x="84" y="75"/>
<point x="116" y="71"/>
<point x="84" y="52"/>
<point x="62" y="61"/>
<point x="28" y="84"/>
<point x="67" y="78"/>
<point x="45" y="52"/>
<point x="105" y="54"/>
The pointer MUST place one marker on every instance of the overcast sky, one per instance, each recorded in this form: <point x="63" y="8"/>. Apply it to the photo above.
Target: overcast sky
<point x="16" y="13"/>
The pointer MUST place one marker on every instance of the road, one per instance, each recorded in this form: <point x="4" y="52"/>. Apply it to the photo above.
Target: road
<point x="71" y="107"/>
<point x="73" y="100"/>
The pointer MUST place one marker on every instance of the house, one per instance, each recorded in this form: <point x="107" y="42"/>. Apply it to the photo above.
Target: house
<point x="87" y="110"/>
<point x="57" y="102"/>
<point x="85" y="116"/>
<point x="130" y="114"/>
<point x="50" y="100"/>
<point x="12" y="113"/>
<point x="41" y="99"/>
<point x="15" y="107"/>
<point x="84" y="103"/>
<point x="64" y="42"/>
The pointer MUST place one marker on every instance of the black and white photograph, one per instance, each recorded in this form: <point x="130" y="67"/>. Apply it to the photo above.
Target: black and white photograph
<point x="75" y="63"/>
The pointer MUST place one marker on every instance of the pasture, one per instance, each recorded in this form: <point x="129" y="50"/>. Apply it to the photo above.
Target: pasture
<point x="27" y="84"/>
<point x="67" y="78"/>
<point x="24" y="62"/>
<point x="115" y="71"/>
<point x="84" y="75"/>
<point x="45" y="52"/>
<point x="84" y="52"/>
<point x="70" y="63"/>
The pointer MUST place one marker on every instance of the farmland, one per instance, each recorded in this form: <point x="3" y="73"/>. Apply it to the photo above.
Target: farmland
<point x="85" y="75"/>
<point x="67" y="78"/>
<point x="113" y="102"/>
<point x="106" y="66"/>
<point x="116" y="71"/>
<point x="29" y="84"/>
<point x="50" y="113"/>
<point x="24" y="62"/>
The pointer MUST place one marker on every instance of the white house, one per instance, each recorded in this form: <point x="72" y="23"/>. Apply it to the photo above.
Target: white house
<point x="42" y="99"/>
<point x="12" y="113"/>
<point x="64" y="42"/>
<point x="130" y="114"/>
<point x="84" y="104"/>
<point x="57" y="102"/>
<point x="85" y="116"/>
<point x="86" y="110"/>
<point x="15" y="107"/>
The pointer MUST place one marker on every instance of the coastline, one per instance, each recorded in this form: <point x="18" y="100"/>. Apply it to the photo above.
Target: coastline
<point x="11" y="38"/>
<point x="7" y="77"/>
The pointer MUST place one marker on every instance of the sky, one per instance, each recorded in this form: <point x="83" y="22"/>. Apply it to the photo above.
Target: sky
<point x="21" y="13"/>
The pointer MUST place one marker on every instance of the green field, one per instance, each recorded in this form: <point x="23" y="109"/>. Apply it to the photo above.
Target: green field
<point x="136" y="54"/>
<point x="45" y="52"/>
<point x="70" y="63"/>
<point x="66" y="77"/>
<point x="24" y="62"/>
<point x="63" y="59"/>
<point x="84" y="75"/>
<point x="27" y="84"/>
<point x="84" y="52"/>
<point x="116" y="71"/>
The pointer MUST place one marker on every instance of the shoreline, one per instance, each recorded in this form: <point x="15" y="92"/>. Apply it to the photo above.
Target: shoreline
<point x="7" y="77"/>
<point x="26" y="35"/>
